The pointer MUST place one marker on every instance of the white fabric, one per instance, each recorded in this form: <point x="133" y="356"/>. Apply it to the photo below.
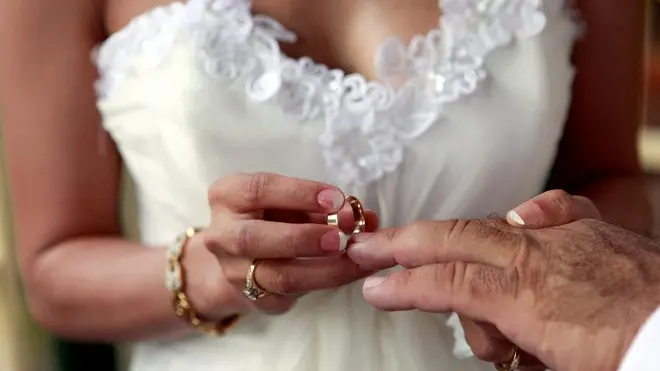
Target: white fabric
<point x="644" y="352"/>
<point x="464" y="123"/>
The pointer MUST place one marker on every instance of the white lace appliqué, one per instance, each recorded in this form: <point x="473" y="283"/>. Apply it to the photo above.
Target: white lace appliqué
<point x="367" y="123"/>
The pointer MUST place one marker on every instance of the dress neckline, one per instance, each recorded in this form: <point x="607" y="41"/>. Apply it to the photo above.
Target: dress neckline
<point x="416" y="80"/>
<point x="240" y="13"/>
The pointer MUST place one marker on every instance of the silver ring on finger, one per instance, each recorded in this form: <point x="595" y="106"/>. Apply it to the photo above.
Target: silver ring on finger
<point x="252" y="290"/>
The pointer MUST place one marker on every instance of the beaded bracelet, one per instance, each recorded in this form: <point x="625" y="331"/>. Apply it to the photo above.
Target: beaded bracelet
<point x="175" y="283"/>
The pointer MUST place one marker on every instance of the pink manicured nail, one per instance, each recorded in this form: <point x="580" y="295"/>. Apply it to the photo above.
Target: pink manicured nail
<point x="331" y="199"/>
<point x="334" y="241"/>
<point x="515" y="217"/>
<point x="528" y="214"/>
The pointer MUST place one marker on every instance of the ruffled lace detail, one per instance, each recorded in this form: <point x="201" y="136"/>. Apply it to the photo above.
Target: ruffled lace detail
<point x="367" y="123"/>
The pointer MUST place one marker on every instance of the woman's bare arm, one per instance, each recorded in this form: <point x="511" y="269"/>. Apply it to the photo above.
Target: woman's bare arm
<point x="598" y="155"/>
<point x="83" y="280"/>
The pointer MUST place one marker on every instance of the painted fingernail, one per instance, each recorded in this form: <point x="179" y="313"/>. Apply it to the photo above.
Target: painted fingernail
<point x="331" y="199"/>
<point x="334" y="241"/>
<point x="372" y="282"/>
<point x="529" y="213"/>
<point x="515" y="217"/>
<point x="343" y="241"/>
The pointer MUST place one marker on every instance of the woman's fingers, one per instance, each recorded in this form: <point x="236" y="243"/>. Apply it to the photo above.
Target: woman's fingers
<point x="286" y="277"/>
<point x="346" y="219"/>
<point x="257" y="239"/>
<point x="300" y="276"/>
<point x="281" y="222"/>
<point x="271" y="304"/>
<point x="276" y="304"/>
<point x="245" y="193"/>
<point x="260" y="239"/>
<point x="373" y="221"/>
<point x="551" y="209"/>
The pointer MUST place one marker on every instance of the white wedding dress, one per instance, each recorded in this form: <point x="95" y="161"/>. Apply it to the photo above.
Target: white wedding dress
<point x="464" y="122"/>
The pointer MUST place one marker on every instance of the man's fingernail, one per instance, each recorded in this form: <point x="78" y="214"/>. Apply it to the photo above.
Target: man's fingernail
<point x="515" y="217"/>
<point x="372" y="282"/>
<point x="334" y="241"/>
<point x="331" y="199"/>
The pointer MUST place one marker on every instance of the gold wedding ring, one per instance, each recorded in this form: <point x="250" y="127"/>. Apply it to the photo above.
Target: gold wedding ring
<point x="359" y="224"/>
<point x="333" y="220"/>
<point x="513" y="364"/>
<point x="251" y="290"/>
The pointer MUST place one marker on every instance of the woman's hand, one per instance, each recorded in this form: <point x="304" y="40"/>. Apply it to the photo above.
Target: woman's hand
<point x="281" y="222"/>
<point x="550" y="290"/>
<point x="549" y="209"/>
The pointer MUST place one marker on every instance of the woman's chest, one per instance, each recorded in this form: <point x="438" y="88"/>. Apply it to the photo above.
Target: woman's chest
<point x="346" y="34"/>
<point x="474" y="107"/>
<point x="342" y="34"/>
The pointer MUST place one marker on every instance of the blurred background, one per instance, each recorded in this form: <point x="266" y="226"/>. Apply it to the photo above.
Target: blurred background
<point x="24" y="347"/>
<point x="650" y="136"/>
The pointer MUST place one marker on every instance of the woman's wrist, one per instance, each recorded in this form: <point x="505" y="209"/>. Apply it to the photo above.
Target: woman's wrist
<point x="205" y="285"/>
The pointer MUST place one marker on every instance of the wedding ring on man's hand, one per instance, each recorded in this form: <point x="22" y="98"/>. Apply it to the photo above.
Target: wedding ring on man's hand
<point x="359" y="223"/>
<point x="251" y="290"/>
<point x="513" y="364"/>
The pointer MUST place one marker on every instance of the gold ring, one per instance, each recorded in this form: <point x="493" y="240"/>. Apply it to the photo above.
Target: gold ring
<point x="251" y="290"/>
<point x="359" y="224"/>
<point x="513" y="364"/>
<point x="333" y="220"/>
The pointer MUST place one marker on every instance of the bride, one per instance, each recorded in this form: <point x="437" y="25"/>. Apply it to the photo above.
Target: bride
<point x="254" y="120"/>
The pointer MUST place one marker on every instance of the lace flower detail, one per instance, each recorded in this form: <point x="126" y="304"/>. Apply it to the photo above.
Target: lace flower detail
<point x="357" y="144"/>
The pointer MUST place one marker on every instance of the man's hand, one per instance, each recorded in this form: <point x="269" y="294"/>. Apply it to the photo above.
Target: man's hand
<point x="550" y="209"/>
<point x="550" y="290"/>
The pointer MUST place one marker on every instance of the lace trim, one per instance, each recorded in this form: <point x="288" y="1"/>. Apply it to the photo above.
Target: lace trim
<point x="367" y="123"/>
